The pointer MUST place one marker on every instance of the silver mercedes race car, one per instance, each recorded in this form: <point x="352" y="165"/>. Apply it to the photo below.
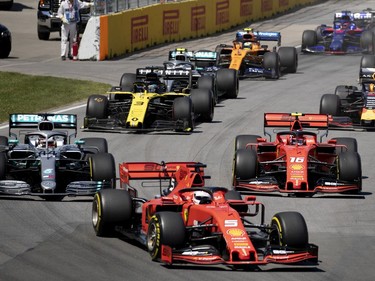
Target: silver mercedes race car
<point x="38" y="158"/>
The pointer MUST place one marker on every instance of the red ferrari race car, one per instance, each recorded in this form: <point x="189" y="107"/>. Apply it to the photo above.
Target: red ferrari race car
<point x="296" y="162"/>
<point x="187" y="222"/>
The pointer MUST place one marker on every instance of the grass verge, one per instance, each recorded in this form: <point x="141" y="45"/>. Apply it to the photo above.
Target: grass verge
<point x="33" y="94"/>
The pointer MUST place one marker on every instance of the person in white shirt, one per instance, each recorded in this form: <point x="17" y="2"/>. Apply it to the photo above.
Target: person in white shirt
<point x="69" y="14"/>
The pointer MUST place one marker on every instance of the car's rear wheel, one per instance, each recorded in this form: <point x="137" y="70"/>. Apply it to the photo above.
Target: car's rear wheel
<point x="203" y="104"/>
<point x="3" y="165"/>
<point x="127" y="82"/>
<point x="288" y="59"/>
<point x="43" y="33"/>
<point x="183" y="111"/>
<point x="367" y="61"/>
<point x="110" y="207"/>
<point x="165" y="228"/>
<point x="330" y="104"/>
<point x="367" y="41"/>
<point x="97" y="107"/>
<point x="227" y="82"/>
<point x="290" y="230"/>
<point x="208" y="82"/>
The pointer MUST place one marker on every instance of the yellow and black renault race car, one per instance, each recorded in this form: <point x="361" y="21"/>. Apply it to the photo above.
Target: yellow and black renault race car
<point x="144" y="102"/>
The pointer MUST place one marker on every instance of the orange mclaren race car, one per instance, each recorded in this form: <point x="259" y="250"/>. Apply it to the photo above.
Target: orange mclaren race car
<point x="296" y="162"/>
<point x="252" y="59"/>
<point x="187" y="222"/>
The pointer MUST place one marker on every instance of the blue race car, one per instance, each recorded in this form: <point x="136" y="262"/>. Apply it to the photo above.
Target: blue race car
<point x="349" y="34"/>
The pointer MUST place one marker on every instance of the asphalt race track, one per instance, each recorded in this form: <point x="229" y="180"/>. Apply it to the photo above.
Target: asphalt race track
<point x="42" y="240"/>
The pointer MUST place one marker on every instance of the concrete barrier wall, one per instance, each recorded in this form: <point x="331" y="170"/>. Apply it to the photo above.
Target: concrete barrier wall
<point x="117" y="34"/>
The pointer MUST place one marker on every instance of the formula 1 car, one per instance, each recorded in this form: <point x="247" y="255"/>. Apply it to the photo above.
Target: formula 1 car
<point x="224" y="82"/>
<point x="251" y="59"/>
<point x="296" y="162"/>
<point x="350" y="107"/>
<point x="143" y="102"/>
<point x="349" y="34"/>
<point x="47" y="164"/>
<point x="192" y="223"/>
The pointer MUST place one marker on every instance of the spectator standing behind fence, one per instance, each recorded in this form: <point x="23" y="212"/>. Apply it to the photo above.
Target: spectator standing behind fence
<point x="69" y="14"/>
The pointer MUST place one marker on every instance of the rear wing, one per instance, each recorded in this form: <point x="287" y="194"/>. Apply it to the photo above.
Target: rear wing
<point x="166" y="74"/>
<point x="30" y="120"/>
<point x="180" y="54"/>
<point x="366" y="74"/>
<point x="259" y="35"/>
<point x="159" y="173"/>
<point x="296" y="121"/>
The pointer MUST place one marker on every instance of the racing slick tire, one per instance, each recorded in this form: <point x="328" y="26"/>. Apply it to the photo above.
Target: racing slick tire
<point x="3" y="165"/>
<point x="183" y="110"/>
<point x="367" y="61"/>
<point x="290" y="230"/>
<point x="165" y="228"/>
<point x="203" y="104"/>
<point x="95" y="145"/>
<point x="127" y="82"/>
<point x="227" y="82"/>
<point x="271" y="62"/>
<point x="97" y="107"/>
<point x="208" y="82"/>
<point x="288" y="59"/>
<point x="350" y="168"/>
<point x="367" y="41"/>
<point x="245" y="164"/>
<point x="103" y="168"/>
<point x="110" y="208"/>
<point x="242" y="140"/>
<point x="318" y="30"/>
<point x="350" y="143"/>
<point x="309" y="38"/>
<point x="330" y="104"/>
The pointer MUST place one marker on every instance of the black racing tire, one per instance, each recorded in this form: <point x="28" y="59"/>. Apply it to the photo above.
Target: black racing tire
<point x="127" y="82"/>
<point x="43" y="33"/>
<point x="290" y="230"/>
<point x="242" y="140"/>
<point x="165" y="228"/>
<point x="235" y="195"/>
<point x="183" y="110"/>
<point x="288" y="59"/>
<point x="367" y="41"/>
<point x="203" y="104"/>
<point x="349" y="166"/>
<point x="330" y="104"/>
<point x="103" y="167"/>
<point x="350" y="143"/>
<point x="95" y="145"/>
<point x="110" y="208"/>
<point x="245" y="164"/>
<point x="3" y="165"/>
<point x="271" y="62"/>
<point x="227" y="83"/>
<point x="309" y="38"/>
<point x="319" y="36"/>
<point x="208" y="82"/>
<point x="367" y="61"/>
<point x="4" y="141"/>
<point x="97" y="107"/>
<point x="6" y="47"/>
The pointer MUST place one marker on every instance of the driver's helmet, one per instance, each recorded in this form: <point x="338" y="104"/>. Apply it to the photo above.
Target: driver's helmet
<point x="42" y="142"/>
<point x="299" y="140"/>
<point x="371" y="87"/>
<point x="201" y="197"/>
<point x="345" y="25"/>
<point x="152" y="88"/>
<point x="247" y="45"/>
